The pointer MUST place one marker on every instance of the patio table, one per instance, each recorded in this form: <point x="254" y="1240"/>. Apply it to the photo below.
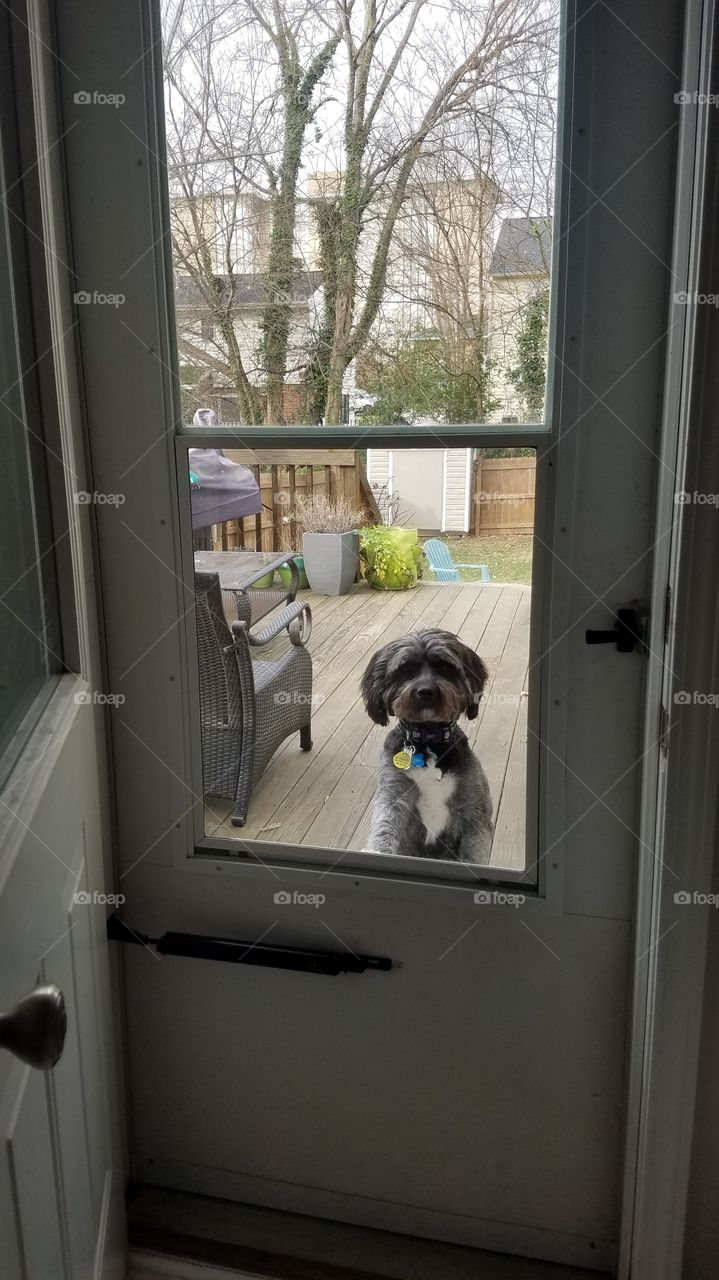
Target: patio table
<point x="238" y="571"/>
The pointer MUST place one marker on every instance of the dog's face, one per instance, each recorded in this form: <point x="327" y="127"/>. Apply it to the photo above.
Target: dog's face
<point x="426" y="677"/>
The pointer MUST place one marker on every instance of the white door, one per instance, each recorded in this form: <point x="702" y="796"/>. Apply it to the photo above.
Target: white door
<point x="477" y="1092"/>
<point x="418" y="483"/>
<point x="61" y="1177"/>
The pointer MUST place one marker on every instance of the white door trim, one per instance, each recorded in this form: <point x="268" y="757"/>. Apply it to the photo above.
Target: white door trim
<point x="677" y="823"/>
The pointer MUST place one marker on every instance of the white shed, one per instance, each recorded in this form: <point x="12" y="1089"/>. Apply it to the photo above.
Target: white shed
<point x="431" y="487"/>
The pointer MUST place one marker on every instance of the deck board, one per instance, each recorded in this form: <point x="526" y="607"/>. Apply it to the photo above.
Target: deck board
<point x="324" y="797"/>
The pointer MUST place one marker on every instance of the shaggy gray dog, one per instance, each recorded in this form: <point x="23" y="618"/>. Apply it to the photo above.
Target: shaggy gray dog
<point x="432" y="798"/>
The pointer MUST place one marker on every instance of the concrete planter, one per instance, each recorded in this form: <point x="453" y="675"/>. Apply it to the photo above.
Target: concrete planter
<point x="331" y="561"/>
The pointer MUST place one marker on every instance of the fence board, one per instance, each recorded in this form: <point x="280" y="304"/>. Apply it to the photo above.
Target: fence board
<point x="504" y="490"/>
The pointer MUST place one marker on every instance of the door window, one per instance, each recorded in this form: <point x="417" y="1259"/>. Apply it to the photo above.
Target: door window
<point x="352" y="253"/>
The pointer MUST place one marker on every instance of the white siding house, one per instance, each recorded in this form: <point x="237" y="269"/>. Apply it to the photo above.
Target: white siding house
<point x="519" y="267"/>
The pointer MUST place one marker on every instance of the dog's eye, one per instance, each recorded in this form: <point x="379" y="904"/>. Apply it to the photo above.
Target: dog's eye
<point x="406" y="670"/>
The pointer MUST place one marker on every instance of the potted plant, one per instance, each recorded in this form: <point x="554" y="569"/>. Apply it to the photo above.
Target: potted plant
<point x="330" y="542"/>
<point x="391" y="557"/>
<point x="285" y="572"/>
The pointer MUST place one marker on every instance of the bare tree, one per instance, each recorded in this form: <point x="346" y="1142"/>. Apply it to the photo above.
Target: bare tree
<point x="242" y="87"/>
<point x="371" y="96"/>
<point x="392" y="50"/>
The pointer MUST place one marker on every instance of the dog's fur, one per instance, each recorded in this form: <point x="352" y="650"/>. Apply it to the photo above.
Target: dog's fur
<point x="428" y="679"/>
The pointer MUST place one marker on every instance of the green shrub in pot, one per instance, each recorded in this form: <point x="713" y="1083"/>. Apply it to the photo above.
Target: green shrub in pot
<point x="391" y="557"/>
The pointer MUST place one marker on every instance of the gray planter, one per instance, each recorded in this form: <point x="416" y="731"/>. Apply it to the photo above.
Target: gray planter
<point x="331" y="561"/>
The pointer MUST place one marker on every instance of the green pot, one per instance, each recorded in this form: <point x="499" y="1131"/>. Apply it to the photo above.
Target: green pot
<point x="264" y="582"/>
<point x="285" y="573"/>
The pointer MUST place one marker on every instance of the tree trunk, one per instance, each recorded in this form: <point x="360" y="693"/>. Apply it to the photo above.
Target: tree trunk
<point x="281" y="267"/>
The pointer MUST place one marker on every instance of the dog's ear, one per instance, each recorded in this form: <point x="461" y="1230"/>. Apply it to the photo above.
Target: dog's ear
<point x="372" y="687"/>
<point x="476" y="675"/>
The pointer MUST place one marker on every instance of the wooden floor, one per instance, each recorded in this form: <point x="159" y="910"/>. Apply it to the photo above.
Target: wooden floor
<point x="323" y="797"/>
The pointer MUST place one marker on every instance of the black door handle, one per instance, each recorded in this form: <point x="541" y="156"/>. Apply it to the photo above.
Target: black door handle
<point x="628" y="633"/>
<point x="35" y="1029"/>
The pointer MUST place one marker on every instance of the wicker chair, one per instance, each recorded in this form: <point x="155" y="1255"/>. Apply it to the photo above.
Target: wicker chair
<point x="248" y="708"/>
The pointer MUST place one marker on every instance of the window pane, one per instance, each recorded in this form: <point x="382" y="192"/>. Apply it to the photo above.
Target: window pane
<point x="28" y="605"/>
<point x="361" y="217"/>
<point x="363" y="619"/>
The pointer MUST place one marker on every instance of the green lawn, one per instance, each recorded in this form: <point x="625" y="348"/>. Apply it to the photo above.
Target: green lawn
<point x="508" y="555"/>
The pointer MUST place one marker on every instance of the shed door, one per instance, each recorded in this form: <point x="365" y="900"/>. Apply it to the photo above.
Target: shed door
<point x="418" y="484"/>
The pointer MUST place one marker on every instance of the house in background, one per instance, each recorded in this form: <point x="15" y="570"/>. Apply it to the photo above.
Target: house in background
<point x="519" y="267"/>
<point x="450" y="275"/>
<point x="204" y="352"/>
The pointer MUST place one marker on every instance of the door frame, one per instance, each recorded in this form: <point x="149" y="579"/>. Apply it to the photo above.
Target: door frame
<point x="679" y="808"/>
<point x="650" y="1196"/>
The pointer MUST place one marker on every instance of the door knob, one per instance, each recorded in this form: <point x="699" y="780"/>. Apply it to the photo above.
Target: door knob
<point x="35" y="1029"/>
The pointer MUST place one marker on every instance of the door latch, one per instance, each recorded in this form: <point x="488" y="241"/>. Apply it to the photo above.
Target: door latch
<point x="629" y="632"/>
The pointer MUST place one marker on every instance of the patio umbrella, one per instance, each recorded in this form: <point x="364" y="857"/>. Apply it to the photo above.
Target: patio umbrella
<point x="219" y="489"/>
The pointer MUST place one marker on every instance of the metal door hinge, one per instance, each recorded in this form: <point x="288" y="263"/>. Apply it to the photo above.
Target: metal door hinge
<point x="664" y="728"/>
<point x="667" y="614"/>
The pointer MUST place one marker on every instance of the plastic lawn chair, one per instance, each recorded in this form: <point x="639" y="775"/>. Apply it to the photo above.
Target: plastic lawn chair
<point x="444" y="568"/>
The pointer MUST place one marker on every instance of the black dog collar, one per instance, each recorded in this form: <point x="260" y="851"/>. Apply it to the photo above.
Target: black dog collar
<point x="428" y="735"/>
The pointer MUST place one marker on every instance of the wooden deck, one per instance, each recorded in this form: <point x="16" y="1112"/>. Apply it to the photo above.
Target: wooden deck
<point x="323" y="797"/>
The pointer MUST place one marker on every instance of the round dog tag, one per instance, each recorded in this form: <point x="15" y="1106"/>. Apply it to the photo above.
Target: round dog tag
<point x="402" y="760"/>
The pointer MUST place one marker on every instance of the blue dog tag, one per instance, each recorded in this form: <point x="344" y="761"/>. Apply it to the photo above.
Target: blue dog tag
<point x="417" y="760"/>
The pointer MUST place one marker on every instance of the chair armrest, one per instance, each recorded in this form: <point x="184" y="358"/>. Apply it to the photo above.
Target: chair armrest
<point x="281" y="621"/>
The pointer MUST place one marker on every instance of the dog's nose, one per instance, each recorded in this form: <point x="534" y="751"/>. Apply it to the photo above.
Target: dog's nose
<point x="425" y="692"/>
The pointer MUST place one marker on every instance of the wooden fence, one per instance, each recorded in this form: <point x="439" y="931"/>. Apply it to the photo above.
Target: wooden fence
<point x="283" y="475"/>
<point x="504" y="495"/>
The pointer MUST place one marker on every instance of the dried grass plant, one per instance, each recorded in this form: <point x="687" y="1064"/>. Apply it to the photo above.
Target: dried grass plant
<point x="318" y="513"/>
